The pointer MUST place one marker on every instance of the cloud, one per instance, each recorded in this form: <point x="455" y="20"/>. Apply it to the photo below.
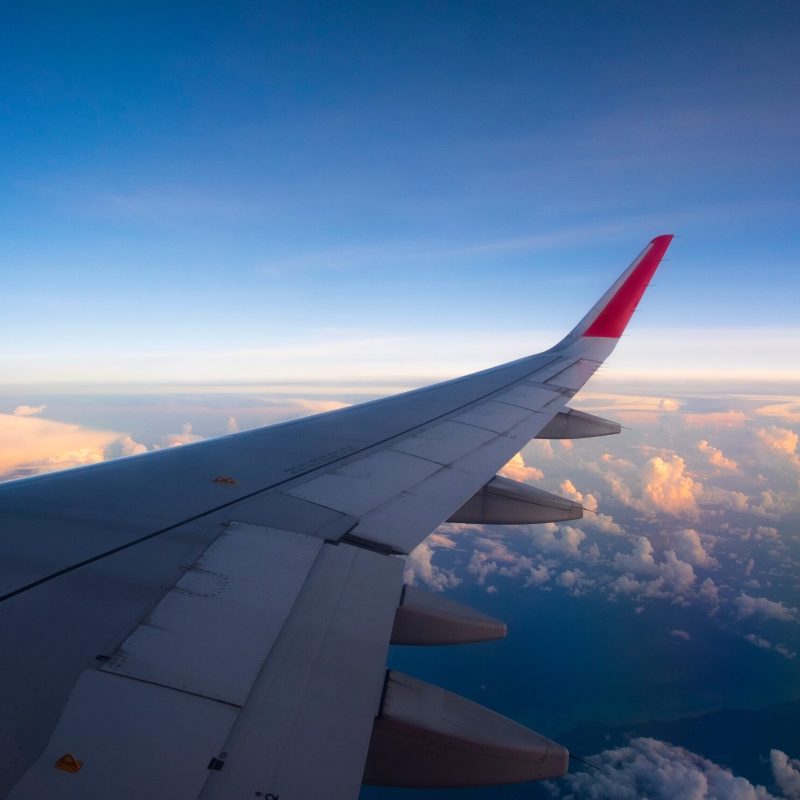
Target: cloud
<point x="575" y="580"/>
<point x="232" y="425"/>
<point x="764" y="644"/>
<point x="671" y="577"/>
<point x="494" y="557"/>
<point x="659" y="771"/>
<point x="421" y="569"/>
<point x="518" y="470"/>
<point x="688" y="544"/>
<point x="679" y="634"/>
<point x="786" y="772"/>
<point x="716" y="458"/>
<point x="640" y="561"/>
<point x="668" y="487"/>
<point x="773" y="504"/>
<point x="28" y="411"/>
<point x="709" y="592"/>
<point x="668" y="404"/>
<point x="125" y="446"/>
<point x="601" y="522"/>
<point x="781" y="440"/>
<point x="184" y="437"/>
<point x="32" y="445"/>
<point x="554" y="539"/>
<point x="747" y="606"/>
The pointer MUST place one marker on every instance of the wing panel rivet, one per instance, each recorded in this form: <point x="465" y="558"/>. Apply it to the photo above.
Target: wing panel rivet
<point x="68" y="763"/>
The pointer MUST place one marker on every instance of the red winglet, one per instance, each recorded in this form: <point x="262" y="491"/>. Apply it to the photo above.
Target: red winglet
<point x="611" y="321"/>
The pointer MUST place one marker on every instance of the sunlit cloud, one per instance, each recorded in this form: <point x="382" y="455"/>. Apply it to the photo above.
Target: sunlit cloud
<point x="518" y="470"/>
<point x="28" y="411"/>
<point x="661" y="771"/>
<point x="716" y="457"/>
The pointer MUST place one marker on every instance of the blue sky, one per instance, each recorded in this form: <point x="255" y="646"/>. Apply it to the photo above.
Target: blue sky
<point x="187" y="187"/>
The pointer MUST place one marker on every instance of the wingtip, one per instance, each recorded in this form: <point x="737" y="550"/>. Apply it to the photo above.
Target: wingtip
<point x="614" y="316"/>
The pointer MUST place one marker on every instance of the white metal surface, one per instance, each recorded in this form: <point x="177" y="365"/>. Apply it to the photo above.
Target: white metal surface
<point x="361" y="485"/>
<point x="443" y="442"/>
<point x="494" y="416"/>
<point x="211" y="633"/>
<point x="135" y="740"/>
<point x="575" y="375"/>
<point x="305" y="730"/>
<point x="527" y="395"/>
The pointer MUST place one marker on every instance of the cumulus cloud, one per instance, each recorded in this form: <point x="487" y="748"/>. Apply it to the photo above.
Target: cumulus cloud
<point x="680" y="634"/>
<point x="125" y="446"/>
<point x="668" y="404"/>
<point x="773" y="504"/>
<point x="32" y="445"/>
<point x="28" y="411"/>
<point x="716" y="458"/>
<point x="518" y="470"/>
<point x="747" y="606"/>
<point x="575" y="580"/>
<point x="492" y="557"/>
<point x="232" y="425"/>
<point x="421" y="569"/>
<point x="551" y="538"/>
<point x="184" y="437"/>
<point x="667" y="486"/>
<point x="659" y="771"/>
<point x="709" y="592"/>
<point x="781" y="440"/>
<point x="601" y="522"/>
<point x="641" y="560"/>
<point x="688" y="544"/>
<point x="786" y="772"/>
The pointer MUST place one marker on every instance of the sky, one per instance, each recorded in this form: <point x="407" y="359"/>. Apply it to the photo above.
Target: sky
<point x="270" y="191"/>
<point x="219" y="216"/>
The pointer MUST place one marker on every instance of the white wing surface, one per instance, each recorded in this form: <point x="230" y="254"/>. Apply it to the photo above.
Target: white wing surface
<point x="212" y="621"/>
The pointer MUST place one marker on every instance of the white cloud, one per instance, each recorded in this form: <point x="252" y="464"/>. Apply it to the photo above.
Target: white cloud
<point x="640" y="561"/>
<point x="421" y="569"/>
<point x="680" y="634"/>
<point x="518" y="470"/>
<point x="658" y="771"/>
<point x="551" y="538"/>
<point x="688" y="544"/>
<point x="748" y="606"/>
<point x="668" y="487"/>
<point x="601" y="522"/>
<point x="28" y="411"/>
<point x="32" y="445"/>
<point x="716" y="457"/>
<point x="709" y="592"/>
<point x="764" y="644"/>
<point x="575" y="580"/>
<point x="125" y="446"/>
<point x="787" y="773"/>
<point x="184" y="437"/>
<point x="781" y="440"/>
<point x="232" y="425"/>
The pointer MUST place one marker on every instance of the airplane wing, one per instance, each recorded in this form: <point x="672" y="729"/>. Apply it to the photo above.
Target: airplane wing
<point x="212" y="621"/>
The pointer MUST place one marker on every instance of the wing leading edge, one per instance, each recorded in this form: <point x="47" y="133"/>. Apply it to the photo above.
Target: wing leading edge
<point x="148" y="555"/>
